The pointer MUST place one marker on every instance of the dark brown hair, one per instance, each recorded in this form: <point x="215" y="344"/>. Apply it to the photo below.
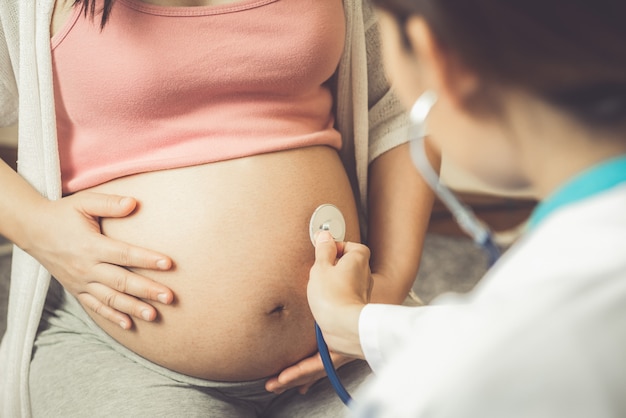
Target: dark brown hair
<point x="89" y="9"/>
<point x="571" y="53"/>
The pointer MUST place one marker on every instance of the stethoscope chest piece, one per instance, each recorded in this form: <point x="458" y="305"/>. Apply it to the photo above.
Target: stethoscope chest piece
<point x="329" y="218"/>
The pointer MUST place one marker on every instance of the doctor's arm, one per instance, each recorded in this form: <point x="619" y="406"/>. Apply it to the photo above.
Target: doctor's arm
<point x="339" y="291"/>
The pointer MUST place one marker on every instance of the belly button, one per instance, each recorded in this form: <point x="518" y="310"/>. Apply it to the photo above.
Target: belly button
<point x="277" y="310"/>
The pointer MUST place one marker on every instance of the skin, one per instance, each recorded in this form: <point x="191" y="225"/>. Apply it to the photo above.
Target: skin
<point x="122" y="296"/>
<point x="64" y="236"/>
<point x="396" y="244"/>
<point x="513" y="150"/>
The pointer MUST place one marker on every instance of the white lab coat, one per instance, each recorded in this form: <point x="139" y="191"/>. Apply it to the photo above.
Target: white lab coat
<point x="542" y="335"/>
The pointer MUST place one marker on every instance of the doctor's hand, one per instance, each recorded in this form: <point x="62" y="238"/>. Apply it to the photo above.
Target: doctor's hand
<point x="304" y="374"/>
<point x="340" y="285"/>
<point x="65" y="237"/>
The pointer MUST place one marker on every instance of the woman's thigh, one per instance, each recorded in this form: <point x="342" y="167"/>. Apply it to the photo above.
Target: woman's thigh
<point x="78" y="371"/>
<point x="78" y="379"/>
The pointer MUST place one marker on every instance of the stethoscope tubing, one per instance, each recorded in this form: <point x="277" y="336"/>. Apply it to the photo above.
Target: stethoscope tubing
<point x="462" y="214"/>
<point x="330" y="368"/>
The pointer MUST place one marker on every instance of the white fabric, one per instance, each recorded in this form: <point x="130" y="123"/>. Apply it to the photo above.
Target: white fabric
<point x="542" y="335"/>
<point x="368" y="116"/>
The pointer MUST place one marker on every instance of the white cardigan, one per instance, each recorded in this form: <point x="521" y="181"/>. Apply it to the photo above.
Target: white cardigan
<point x="369" y="118"/>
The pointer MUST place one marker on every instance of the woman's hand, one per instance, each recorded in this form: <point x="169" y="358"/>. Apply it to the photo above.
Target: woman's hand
<point x="303" y="374"/>
<point x="65" y="237"/>
<point x="338" y="290"/>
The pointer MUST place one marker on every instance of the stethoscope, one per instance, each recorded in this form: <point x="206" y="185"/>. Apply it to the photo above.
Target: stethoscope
<point x="329" y="218"/>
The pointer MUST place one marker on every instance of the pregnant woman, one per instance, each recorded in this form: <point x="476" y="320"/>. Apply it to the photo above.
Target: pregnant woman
<point x="171" y="149"/>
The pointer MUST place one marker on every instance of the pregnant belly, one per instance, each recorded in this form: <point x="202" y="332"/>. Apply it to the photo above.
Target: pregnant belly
<point x="237" y="232"/>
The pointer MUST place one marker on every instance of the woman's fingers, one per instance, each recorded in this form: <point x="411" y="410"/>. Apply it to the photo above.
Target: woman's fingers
<point x="118" y="306"/>
<point x="97" y="205"/>
<point x="121" y="280"/>
<point x="118" y="295"/>
<point x="96" y="269"/>
<point x="303" y="374"/>
<point x="105" y="205"/>
<point x="126" y="255"/>
<point x="92" y="303"/>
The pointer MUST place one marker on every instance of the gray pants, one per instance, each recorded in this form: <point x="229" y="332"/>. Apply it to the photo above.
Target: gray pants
<point x="77" y="370"/>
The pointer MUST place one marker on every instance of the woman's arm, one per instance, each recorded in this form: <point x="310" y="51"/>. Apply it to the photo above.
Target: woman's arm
<point x="64" y="236"/>
<point x="399" y="204"/>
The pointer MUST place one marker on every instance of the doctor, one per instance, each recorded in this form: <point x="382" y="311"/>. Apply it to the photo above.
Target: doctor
<point x="528" y="93"/>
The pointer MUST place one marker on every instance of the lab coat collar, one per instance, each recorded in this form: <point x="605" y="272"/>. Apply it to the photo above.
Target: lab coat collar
<point x="589" y="182"/>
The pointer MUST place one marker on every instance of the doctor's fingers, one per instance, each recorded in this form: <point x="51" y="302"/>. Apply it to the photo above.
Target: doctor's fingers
<point x="355" y="254"/>
<point x="326" y="251"/>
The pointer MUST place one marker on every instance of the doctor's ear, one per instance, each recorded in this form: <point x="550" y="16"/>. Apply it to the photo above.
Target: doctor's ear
<point x="442" y="69"/>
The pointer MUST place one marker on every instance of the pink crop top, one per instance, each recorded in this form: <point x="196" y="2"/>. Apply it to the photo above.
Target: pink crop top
<point x="166" y="87"/>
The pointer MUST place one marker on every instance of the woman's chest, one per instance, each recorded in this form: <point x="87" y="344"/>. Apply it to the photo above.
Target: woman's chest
<point x="149" y="53"/>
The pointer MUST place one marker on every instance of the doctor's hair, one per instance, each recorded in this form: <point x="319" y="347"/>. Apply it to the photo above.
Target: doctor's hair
<point x="569" y="53"/>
